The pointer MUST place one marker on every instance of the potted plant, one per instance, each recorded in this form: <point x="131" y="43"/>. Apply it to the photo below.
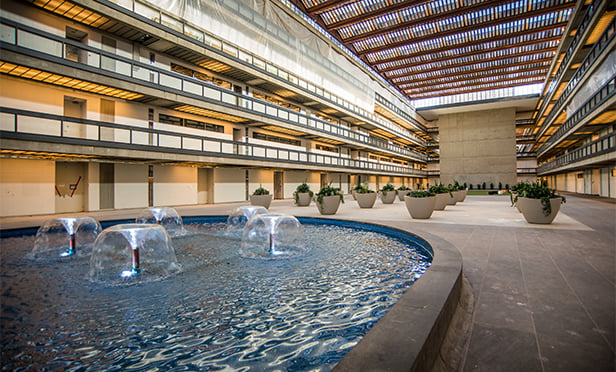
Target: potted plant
<point x="328" y="199"/>
<point x="420" y="204"/>
<point x="388" y="194"/>
<point x="403" y="191"/>
<point x="515" y="191"/>
<point x="261" y="197"/>
<point x="442" y="196"/>
<point x="452" y="196"/>
<point x="303" y="195"/>
<point x="539" y="203"/>
<point x="364" y="196"/>
<point x="459" y="192"/>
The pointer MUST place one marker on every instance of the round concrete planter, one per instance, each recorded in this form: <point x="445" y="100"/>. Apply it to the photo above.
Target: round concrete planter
<point x="460" y="195"/>
<point x="302" y="199"/>
<point x="329" y="205"/>
<point x="388" y="197"/>
<point x="402" y="194"/>
<point x="532" y="210"/>
<point x="261" y="200"/>
<point x="420" y="208"/>
<point x="366" y="200"/>
<point x="441" y="201"/>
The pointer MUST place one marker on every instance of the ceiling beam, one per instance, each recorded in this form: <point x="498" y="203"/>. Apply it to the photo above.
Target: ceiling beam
<point x="471" y="83"/>
<point x="442" y="34"/>
<point x="463" y="55"/>
<point x="419" y="21"/>
<point x="464" y="45"/>
<point x="463" y="64"/>
<point x="455" y="78"/>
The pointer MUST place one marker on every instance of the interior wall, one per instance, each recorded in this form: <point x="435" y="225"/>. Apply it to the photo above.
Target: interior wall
<point x="71" y="184"/>
<point x="229" y="185"/>
<point x="26" y="187"/>
<point x="477" y="147"/>
<point x="175" y="185"/>
<point x="131" y="186"/>
<point x="260" y="178"/>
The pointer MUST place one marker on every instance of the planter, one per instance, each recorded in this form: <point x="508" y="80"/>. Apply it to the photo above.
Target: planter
<point x="388" y="197"/>
<point x="261" y="200"/>
<point x="402" y="194"/>
<point x="460" y="195"/>
<point x="441" y="201"/>
<point x="452" y="199"/>
<point x="420" y="208"/>
<point x="532" y="210"/>
<point x="366" y="200"/>
<point x="303" y="199"/>
<point x="329" y="204"/>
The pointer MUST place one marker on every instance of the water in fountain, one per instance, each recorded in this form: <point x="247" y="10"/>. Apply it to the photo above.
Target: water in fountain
<point x="166" y="217"/>
<point x="271" y="235"/>
<point x="132" y="253"/>
<point x="240" y="216"/>
<point x="65" y="237"/>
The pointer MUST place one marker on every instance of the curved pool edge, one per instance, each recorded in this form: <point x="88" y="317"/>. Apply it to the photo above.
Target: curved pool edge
<point x="396" y="344"/>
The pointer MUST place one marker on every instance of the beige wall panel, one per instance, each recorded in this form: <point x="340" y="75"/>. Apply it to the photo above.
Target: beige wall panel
<point x="26" y="187"/>
<point x="175" y="185"/>
<point x="131" y="186"/>
<point x="478" y="147"/>
<point x="294" y="178"/>
<point x="229" y="185"/>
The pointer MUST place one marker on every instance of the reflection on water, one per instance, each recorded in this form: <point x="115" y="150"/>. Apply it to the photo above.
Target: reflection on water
<point x="222" y="311"/>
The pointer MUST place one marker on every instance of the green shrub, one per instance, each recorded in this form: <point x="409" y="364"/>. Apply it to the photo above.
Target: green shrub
<point x="362" y="189"/>
<point x="388" y="187"/>
<point x="440" y="189"/>
<point x="329" y="191"/>
<point x="261" y="191"/>
<point x="538" y="190"/>
<point x="421" y="194"/>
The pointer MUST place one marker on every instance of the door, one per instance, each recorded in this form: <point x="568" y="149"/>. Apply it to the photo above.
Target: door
<point x="106" y="176"/>
<point x="278" y="185"/>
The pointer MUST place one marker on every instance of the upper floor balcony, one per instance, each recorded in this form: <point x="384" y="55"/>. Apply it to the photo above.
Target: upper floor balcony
<point x="42" y="46"/>
<point x="91" y="138"/>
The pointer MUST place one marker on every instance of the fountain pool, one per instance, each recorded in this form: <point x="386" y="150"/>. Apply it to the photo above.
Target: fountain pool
<point x="223" y="310"/>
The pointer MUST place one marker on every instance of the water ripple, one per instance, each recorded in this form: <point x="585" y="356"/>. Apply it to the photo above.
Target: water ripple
<point x="222" y="312"/>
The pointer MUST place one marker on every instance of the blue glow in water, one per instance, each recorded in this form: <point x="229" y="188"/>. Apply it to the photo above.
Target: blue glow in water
<point x="222" y="311"/>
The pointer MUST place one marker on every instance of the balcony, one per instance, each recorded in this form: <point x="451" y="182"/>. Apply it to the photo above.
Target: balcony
<point x="602" y="149"/>
<point x="61" y="130"/>
<point x="25" y="40"/>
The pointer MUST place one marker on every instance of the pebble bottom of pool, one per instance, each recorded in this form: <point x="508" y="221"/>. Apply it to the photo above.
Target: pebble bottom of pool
<point x="221" y="312"/>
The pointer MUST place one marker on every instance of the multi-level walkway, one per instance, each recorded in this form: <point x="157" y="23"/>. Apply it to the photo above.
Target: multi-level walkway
<point x="543" y="297"/>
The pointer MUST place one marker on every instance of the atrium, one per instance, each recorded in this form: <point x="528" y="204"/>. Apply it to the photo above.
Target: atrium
<point x="112" y="106"/>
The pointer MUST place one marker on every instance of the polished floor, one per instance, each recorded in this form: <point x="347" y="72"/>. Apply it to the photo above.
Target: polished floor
<point x="543" y="296"/>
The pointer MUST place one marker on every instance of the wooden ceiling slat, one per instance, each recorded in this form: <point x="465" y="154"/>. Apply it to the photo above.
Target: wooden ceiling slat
<point x="418" y="22"/>
<point x="470" y="54"/>
<point x="470" y="43"/>
<point x="456" y="77"/>
<point x="479" y="89"/>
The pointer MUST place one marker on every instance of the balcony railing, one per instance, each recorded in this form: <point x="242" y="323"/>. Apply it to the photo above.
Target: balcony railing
<point x="579" y="32"/>
<point x="41" y="127"/>
<point x="598" y="48"/>
<point x="599" y="98"/>
<point x="526" y="171"/>
<point x="31" y="39"/>
<point x="192" y="33"/>
<point x="603" y="145"/>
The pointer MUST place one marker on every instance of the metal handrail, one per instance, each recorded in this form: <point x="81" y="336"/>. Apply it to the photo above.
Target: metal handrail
<point x="43" y="127"/>
<point x="603" y="145"/>
<point x="606" y="92"/>
<point x="169" y="80"/>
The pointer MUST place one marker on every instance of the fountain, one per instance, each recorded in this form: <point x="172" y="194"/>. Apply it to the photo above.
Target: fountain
<point x="240" y="216"/>
<point x="65" y="237"/>
<point x="132" y="253"/>
<point x="226" y="310"/>
<point x="270" y="235"/>
<point x="166" y="217"/>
